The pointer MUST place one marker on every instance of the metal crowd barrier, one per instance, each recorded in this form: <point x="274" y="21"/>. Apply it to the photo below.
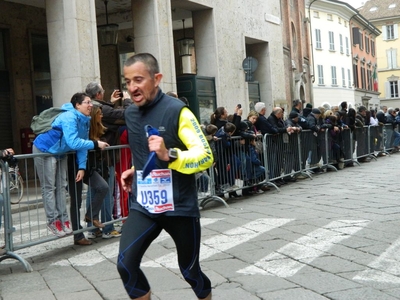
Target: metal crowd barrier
<point x="241" y="165"/>
<point x="25" y="223"/>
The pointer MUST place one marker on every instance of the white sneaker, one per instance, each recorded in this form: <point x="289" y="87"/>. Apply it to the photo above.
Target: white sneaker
<point x="56" y="228"/>
<point x="94" y="235"/>
<point x="67" y="227"/>
<point x="111" y="234"/>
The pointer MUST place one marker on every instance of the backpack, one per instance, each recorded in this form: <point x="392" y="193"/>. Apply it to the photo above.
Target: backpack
<point x="42" y="123"/>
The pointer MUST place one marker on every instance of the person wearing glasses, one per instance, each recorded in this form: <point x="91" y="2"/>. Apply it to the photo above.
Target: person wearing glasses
<point x="70" y="132"/>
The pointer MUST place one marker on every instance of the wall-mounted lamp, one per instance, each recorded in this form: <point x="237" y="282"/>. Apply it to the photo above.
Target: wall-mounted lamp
<point x="185" y="43"/>
<point x="107" y="34"/>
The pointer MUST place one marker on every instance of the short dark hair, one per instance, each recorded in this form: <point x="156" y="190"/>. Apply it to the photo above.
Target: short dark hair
<point x="229" y="127"/>
<point x="184" y="100"/>
<point x="297" y="102"/>
<point x="362" y="108"/>
<point x="146" y="58"/>
<point x="78" y="98"/>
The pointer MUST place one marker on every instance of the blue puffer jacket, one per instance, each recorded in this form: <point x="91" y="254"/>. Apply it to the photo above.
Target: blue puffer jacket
<point x="70" y="132"/>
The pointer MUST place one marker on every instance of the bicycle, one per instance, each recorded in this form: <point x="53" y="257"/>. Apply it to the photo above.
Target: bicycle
<point x="16" y="181"/>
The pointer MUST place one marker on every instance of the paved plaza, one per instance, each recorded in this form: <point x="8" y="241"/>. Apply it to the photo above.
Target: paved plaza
<point x="335" y="236"/>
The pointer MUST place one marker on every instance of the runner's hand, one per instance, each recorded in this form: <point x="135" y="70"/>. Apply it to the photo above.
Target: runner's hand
<point x="127" y="180"/>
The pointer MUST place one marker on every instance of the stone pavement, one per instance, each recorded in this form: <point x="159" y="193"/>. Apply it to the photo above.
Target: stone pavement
<point x="333" y="237"/>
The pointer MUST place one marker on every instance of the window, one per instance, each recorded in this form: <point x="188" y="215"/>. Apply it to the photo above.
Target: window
<point x="345" y="23"/>
<point x="330" y="18"/>
<point x="347" y="46"/>
<point x="334" y="78"/>
<point x="331" y="41"/>
<point x="390" y="32"/>
<point x="339" y="20"/>
<point x="318" y="43"/>
<point x="369" y="80"/>
<point x="366" y="44"/>
<point x="394" y="89"/>
<point x="355" y="74"/>
<point x="320" y="74"/>
<point x="361" y="41"/>
<point x="341" y="43"/>
<point x="316" y="14"/>
<point x="363" y="82"/>
<point x="343" y="78"/>
<point x="373" y="48"/>
<point x="349" y="78"/>
<point x="391" y="55"/>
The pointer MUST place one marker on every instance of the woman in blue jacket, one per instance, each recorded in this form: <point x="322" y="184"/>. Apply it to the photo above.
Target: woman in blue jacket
<point x="70" y="132"/>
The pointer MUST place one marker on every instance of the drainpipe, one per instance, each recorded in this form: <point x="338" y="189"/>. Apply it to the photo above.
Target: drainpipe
<point x="312" y="54"/>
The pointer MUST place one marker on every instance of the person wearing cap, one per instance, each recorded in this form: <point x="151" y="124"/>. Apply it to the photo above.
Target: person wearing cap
<point x="307" y="110"/>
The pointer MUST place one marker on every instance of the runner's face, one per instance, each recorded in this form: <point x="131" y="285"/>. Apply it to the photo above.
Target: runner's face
<point x="141" y="86"/>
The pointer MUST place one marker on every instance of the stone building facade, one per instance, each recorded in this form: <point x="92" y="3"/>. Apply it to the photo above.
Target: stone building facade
<point x="50" y="50"/>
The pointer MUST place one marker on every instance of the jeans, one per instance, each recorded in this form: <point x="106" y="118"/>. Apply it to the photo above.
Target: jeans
<point x="396" y="141"/>
<point x="95" y="201"/>
<point x="108" y="204"/>
<point x="52" y="173"/>
<point x="75" y="192"/>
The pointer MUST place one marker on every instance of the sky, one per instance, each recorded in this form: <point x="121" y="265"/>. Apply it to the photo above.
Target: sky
<point x="355" y="3"/>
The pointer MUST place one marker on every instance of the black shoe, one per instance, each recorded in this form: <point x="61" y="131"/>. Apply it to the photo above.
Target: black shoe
<point x="289" y="179"/>
<point x="277" y="183"/>
<point x="233" y="195"/>
<point x="317" y="171"/>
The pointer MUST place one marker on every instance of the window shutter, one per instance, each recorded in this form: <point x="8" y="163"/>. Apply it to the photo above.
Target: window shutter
<point x="389" y="59"/>
<point x="394" y="58"/>
<point x="396" y="31"/>
<point x="384" y="33"/>
<point x="387" y="90"/>
<point x="356" y="35"/>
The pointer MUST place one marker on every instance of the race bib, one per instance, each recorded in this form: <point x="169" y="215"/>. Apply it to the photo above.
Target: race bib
<point x="154" y="193"/>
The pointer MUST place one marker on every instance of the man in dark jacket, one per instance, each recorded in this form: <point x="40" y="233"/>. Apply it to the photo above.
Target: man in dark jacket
<point x="392" y="136"/>
<point x="262" y="124"/>
<point x="113" y="118"/>
<point x="276" y="145"/>
<point x="307" y="110"/>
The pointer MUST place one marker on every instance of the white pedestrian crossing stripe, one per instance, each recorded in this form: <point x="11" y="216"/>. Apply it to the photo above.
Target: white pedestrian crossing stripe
<point x="385" y="269"/>
<point x="93" y="257"/>
<point x="289" y="259"/>
<point x="284" y="262"/>
<point x="223" y="242"/>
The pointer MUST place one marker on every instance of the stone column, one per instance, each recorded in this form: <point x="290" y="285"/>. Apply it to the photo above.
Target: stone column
<point x="72" y="35"/>
<point x="152" y="23"/>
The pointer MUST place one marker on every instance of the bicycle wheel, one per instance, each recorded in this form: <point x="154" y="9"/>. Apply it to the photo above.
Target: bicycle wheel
<point x="16" y="187"/>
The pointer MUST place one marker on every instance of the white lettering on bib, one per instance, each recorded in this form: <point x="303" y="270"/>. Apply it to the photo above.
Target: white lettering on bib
<point x="154" y="193"/>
